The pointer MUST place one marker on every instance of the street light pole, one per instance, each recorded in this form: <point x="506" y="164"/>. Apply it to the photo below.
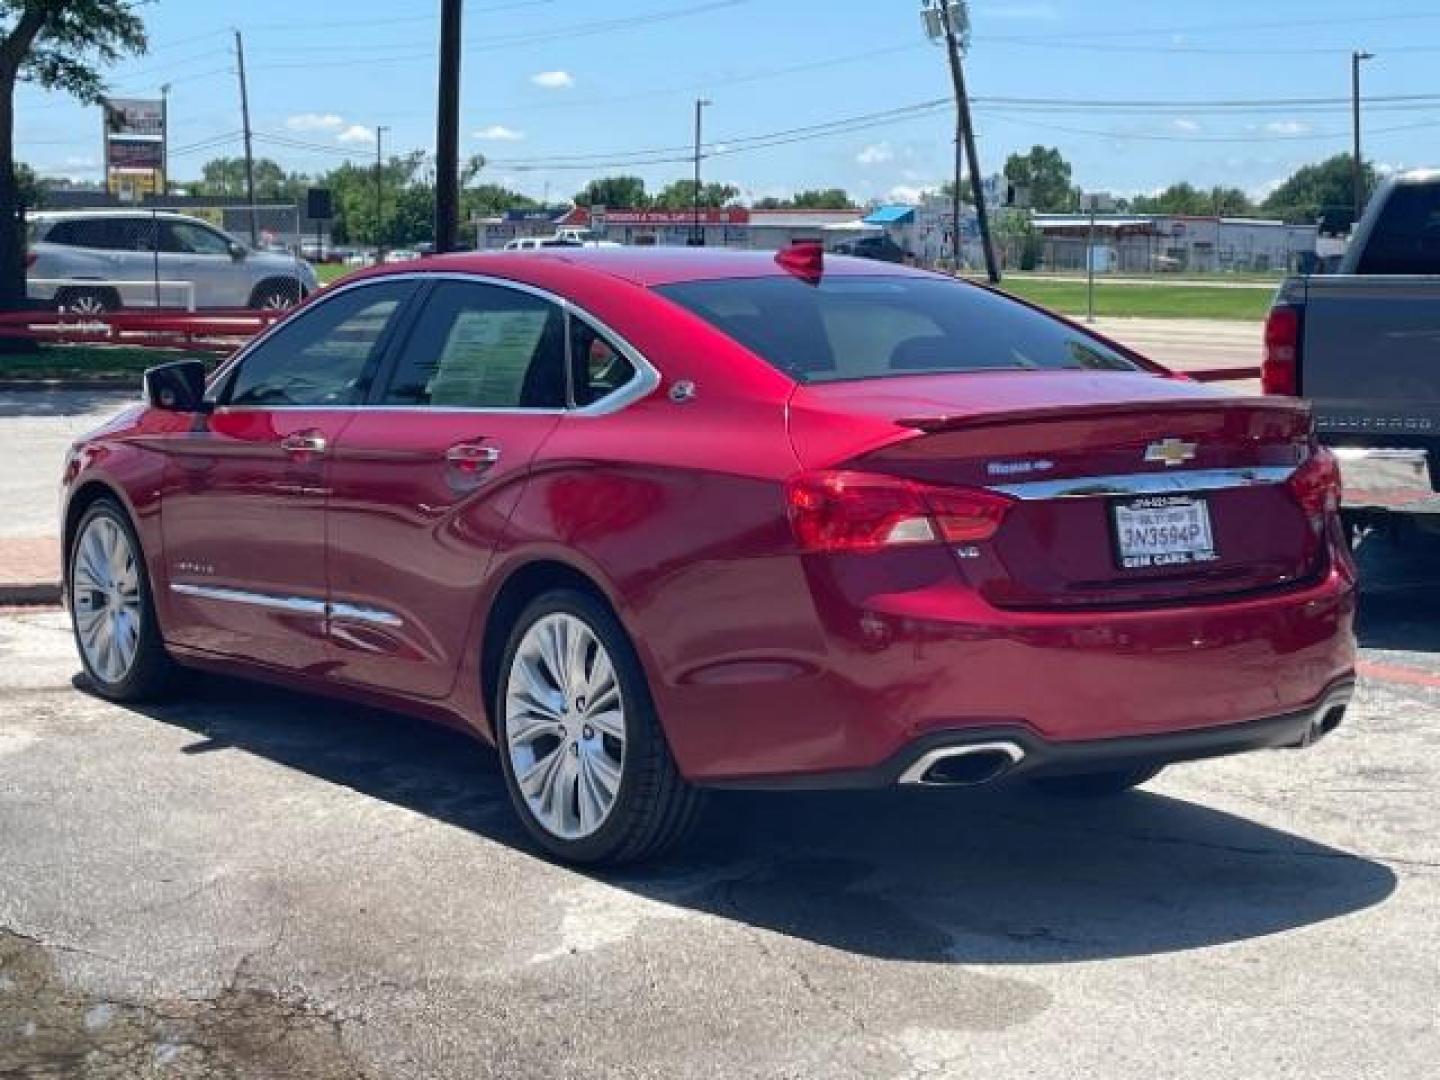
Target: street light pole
<point x="697" y="236"/>
<point x="1356" y="163"/>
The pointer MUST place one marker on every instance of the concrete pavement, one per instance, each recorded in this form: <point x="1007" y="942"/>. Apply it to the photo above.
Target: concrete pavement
<point x="246" y="883"/>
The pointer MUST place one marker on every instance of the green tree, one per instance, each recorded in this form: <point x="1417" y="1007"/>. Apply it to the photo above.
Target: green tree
<point x="620" y="192"/>
<point x="1327" y="187"/>
<point x="60" y="45"/>
<point x="1046" y="174"/>
<point x="827" y="199"/>
<point x="1186" y="198"/>
<point x="31" y="188"/>
<point x="681" y="195"/>
<point x="486" y="200"/>
<point x="226" y="176"/>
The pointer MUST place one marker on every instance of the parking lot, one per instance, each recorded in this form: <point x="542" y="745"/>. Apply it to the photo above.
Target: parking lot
<point x="249" y="883"/>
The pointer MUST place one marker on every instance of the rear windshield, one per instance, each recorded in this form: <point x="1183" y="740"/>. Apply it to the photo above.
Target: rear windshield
<point x="876" y="327"/>
<point x="1406" y="239"/>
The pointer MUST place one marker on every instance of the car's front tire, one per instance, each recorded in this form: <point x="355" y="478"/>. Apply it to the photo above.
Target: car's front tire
<point x="80" y="300"/>
<point x="112" y="611"/>
<point x="1096" y="785"/>
<point x="280" y="294"/>
<point x="585" y="760"/>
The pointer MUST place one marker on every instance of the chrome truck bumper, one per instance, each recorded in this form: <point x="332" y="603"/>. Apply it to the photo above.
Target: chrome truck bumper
<point x="1388" y="479"/>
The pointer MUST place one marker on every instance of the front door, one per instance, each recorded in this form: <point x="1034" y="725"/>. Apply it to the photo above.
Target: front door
<point x="243" y="506"/>
<point x="191" y="252"/>
<point x="423" y="484"/>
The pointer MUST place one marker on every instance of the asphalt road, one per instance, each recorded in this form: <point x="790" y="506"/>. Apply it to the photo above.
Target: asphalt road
<point x="248" y="883"/>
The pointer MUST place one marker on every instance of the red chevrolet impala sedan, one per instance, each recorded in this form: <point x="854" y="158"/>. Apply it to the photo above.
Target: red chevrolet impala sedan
<point x="659" y="521"/>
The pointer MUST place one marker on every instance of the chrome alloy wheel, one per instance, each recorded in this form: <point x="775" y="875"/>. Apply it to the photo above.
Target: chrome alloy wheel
<point x="86" y="304"/>
<point x="565" y="726"/>
<point x="105" y="599"/>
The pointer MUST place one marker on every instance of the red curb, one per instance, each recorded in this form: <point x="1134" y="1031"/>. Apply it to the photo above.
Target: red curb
<point x="1396" y="674"/>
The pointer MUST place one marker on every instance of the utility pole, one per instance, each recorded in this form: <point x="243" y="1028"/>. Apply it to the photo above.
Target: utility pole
<point x="164" y="140"/>
<point x="955" y="193"/>
<point x="379" y="197"/>
<point x="697" y="234"/>
<point x="948" y="21"/>
<point x="1357" y="164"/>
<point x="249" y="156"/>
<point x="447" y="130"/>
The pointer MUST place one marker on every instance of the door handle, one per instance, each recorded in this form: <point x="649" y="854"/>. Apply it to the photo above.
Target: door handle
<point x="303" y="442"/>
<point x="472" y="457"/>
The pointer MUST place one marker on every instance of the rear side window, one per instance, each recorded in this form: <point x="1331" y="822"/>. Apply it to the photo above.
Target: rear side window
<point x="323" y="357"/>
<point x="1406" y="239"/>
<point x="598" y="368"/>
<point x="482" y="347"/>
<point x="879" y="327"/>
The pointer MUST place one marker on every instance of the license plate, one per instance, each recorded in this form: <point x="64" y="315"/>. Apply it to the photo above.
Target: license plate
<point x="1163" y="530"/>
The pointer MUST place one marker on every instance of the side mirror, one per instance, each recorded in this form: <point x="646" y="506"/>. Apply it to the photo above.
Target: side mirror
<point x="237" y="251"/>
<point x="177" y="387"/>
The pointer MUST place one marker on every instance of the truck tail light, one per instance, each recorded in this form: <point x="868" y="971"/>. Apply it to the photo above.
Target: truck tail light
<point x="854" y="511"/>
<point x="1280" y="372"/>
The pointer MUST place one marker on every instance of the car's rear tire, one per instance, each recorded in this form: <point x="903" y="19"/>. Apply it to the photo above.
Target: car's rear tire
<point x="584" y="757"/>
<point x="280" y="294"/>
<point x="112" y="610"/>
<point x="84" y="300"/>
<point x="1096" y="785"/>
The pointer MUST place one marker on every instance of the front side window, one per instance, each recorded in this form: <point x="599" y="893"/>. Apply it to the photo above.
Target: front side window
<point x="879" y="327"/>
<point x="186" y="238"/>
<point x="478" y="346"/>
<point x="325" y="356"/>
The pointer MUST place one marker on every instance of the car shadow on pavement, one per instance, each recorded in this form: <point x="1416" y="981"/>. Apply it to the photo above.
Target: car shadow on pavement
<point x="985" y="876"/>
<point x="1400" y="592"/>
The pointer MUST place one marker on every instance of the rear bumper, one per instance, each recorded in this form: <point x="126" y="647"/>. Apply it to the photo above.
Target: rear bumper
<point x="892" y="674"/>
<point x="1388" y="479"/>
<point x="1030" y="755"/>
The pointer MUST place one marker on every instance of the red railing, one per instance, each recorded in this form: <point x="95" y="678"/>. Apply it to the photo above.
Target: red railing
<point x="219" y="331"/>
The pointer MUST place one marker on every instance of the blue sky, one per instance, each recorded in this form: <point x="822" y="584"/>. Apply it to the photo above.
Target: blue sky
<point x="546" y="80"/>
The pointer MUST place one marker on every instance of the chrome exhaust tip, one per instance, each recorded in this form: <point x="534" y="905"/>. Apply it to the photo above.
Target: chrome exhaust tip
<point x="963" y="766"/>
<point x="1326" y="716"/>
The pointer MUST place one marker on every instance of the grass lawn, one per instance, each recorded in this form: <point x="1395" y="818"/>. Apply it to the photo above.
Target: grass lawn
<point x="1145" y="301"/>
<point x="328" y="272"/>
<point x="87" y="361"/>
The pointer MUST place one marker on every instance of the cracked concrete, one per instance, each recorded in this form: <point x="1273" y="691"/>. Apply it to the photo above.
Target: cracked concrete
<point x="253" y="884"/>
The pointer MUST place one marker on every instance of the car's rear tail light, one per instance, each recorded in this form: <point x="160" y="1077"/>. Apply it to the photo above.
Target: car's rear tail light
<point x="1280" y="372"/>
<point x="1316" y="484"/>
<point x="854" y="511"/>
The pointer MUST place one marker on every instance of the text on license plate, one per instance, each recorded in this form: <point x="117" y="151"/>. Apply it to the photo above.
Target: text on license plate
<point x="1164" y="530"/>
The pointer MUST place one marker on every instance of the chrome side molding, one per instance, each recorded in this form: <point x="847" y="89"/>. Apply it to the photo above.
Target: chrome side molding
<point x="1190" y="480"/>
<point x="299" y="605"/>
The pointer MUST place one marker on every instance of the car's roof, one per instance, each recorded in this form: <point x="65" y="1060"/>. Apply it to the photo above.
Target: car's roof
<point x="118" y="212"/>
<point x="647" y="266"/>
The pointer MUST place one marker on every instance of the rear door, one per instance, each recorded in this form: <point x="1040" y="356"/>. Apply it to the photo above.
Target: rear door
<point x="426" y="478"/>
<point x="243" y="508"/>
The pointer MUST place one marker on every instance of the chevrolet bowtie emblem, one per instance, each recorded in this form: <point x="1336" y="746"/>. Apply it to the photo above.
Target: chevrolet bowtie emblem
<point x="1171" y="452"/>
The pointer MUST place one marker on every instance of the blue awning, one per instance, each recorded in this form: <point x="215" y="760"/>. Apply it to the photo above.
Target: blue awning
<point x="890" y="215"/>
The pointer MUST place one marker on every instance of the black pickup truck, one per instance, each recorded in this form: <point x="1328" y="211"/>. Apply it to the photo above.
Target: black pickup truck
<point x="1363" y="345"/>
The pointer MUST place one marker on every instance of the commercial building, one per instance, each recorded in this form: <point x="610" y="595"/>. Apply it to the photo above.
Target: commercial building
<point x="1137" y="243"/>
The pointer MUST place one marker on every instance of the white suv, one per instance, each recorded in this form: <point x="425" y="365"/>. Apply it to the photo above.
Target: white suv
<point x="133" y="258"/>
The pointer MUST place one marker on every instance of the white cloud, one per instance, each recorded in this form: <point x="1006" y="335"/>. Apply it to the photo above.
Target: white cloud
<point x="1287" y="127"/>
<point x="310" y="121"/>
<point x="1185" y="124"/>
<point x="875" y="154"/>
<point x="553" y="80"/>
<point x="910" y="193"/>
<point x="499" y="133"/>
<point x="81" y="163"/>
<point x="356" y="133"/>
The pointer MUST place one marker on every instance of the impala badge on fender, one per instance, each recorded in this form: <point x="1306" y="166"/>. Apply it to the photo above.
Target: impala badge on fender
<point x="1170" y="451"/>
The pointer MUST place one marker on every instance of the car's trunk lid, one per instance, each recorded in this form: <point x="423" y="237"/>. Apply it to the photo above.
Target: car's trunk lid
<point x="1128" y="488"/>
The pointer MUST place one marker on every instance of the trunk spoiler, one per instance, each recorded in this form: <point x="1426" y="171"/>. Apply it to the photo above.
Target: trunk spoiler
<point x="1058" y="413"/>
